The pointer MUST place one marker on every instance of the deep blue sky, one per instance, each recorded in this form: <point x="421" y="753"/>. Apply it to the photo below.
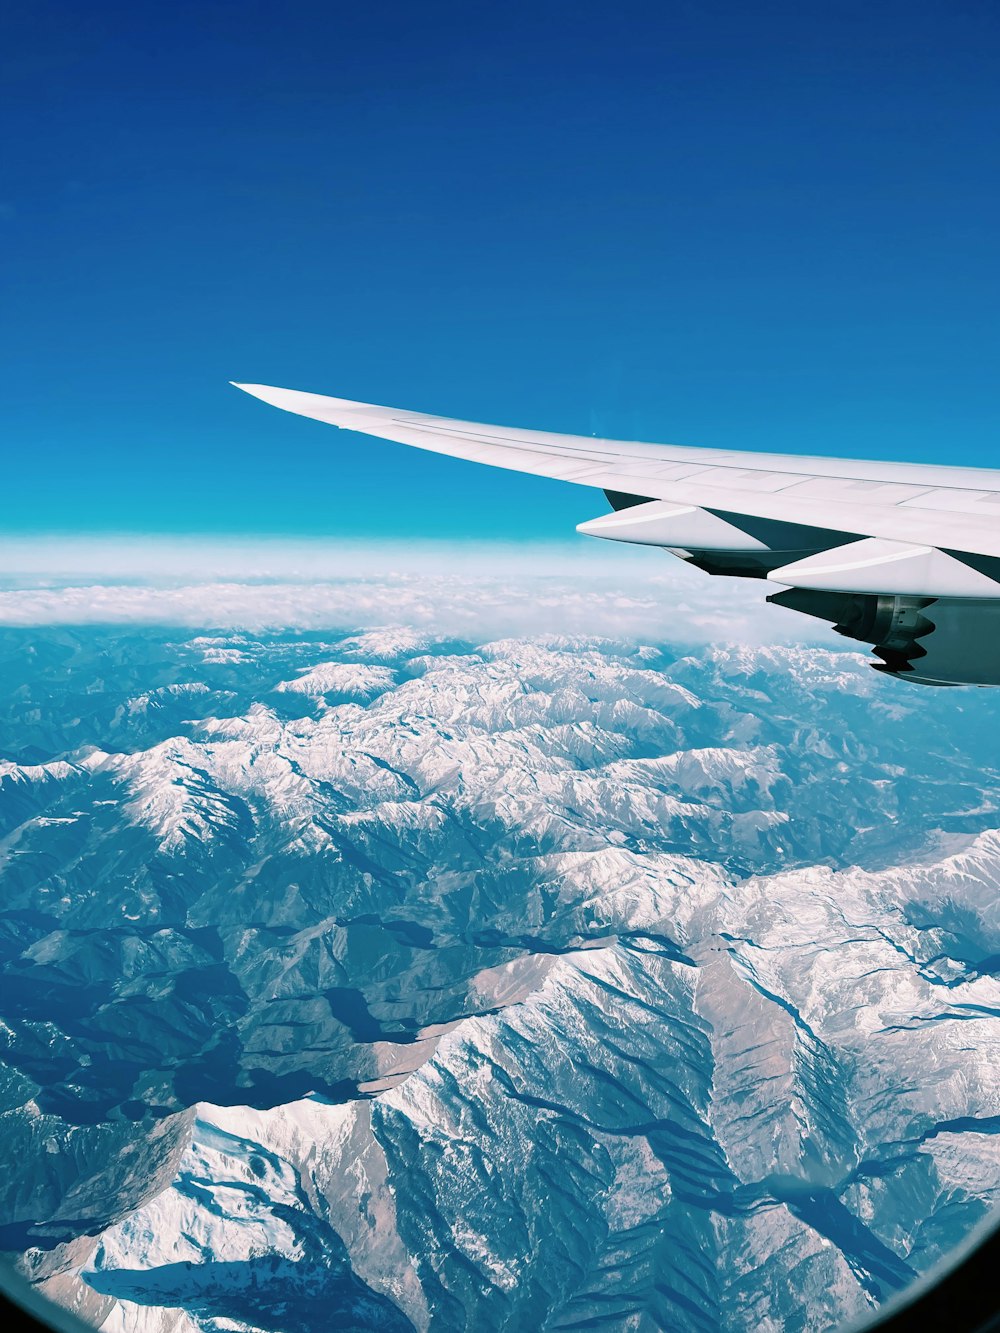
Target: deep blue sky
<point x="733" y="224"/>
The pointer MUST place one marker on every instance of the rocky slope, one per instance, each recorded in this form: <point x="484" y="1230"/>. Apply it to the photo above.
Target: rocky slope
<point x="530" y="984"/>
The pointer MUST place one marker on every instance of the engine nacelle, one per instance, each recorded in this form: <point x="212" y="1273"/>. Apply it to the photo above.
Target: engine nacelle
<point x="932" y="641"/>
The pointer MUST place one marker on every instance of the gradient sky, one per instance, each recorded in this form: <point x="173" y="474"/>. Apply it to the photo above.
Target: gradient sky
<point x="732" y="224"/>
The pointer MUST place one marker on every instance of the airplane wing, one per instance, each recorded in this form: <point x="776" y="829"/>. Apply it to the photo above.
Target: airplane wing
<point x="875" y="545"/>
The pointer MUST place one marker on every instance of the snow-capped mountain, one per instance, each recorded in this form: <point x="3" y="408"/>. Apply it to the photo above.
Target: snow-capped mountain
<point x="404" y="982"/>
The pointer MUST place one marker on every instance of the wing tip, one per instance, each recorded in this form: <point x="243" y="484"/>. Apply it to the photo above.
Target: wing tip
<point x="265" y="391"/>
<point x="299" y="402"/>
<point x="322" y="407"/>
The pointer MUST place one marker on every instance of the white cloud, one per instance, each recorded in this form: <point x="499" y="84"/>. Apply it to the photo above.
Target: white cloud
<point x="470" y="591"/>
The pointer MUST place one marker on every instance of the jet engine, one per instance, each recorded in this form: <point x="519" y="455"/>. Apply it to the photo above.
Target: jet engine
<point x="932" y="641"/>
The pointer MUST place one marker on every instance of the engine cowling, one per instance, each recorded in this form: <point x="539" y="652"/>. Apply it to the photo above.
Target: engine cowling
<point x="931" y="641"/>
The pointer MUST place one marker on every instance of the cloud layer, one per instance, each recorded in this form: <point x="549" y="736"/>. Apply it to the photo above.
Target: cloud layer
<point x="469" y="591"/>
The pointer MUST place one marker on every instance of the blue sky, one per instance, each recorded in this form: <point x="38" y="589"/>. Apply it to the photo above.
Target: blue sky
<point x="732" y="224"/>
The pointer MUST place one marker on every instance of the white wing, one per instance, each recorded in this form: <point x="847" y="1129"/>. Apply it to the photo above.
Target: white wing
<point x="905" y="557"/>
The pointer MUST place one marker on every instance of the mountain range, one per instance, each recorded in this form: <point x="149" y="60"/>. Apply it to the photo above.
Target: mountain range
<point x="387" y="980"/>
